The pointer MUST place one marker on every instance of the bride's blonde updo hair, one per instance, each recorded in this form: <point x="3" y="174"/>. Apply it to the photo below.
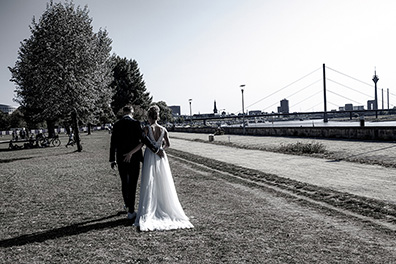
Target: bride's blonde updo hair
<point x="153" y="112"/>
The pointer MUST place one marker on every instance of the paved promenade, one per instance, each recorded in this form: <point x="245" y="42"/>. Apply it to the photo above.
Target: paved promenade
<point x="361" y="179"/>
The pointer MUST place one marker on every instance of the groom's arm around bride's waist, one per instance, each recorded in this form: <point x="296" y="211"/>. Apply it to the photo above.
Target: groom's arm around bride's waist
<point x="150" y="144"/>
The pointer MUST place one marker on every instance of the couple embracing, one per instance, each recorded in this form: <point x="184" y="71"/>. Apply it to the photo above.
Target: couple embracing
<point x="159" y="206"/>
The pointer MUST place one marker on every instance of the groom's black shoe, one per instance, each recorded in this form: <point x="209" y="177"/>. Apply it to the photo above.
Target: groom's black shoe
<point x="131" y="215"/>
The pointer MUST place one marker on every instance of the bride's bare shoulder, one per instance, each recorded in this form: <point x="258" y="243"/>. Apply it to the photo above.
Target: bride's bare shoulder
<point x="162" y="128"/>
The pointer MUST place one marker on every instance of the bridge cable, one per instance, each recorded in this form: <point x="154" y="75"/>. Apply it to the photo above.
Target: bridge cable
<point x="296" y="92"/>
<point x="282" y="88"/>
<point x="347" y="87"/>
<point x="332" y="103"/>
<point x="306" y="98"/>
<point x="344" y="97"/>
<point x="349" y="76"/>
<point x="309" y="85"/>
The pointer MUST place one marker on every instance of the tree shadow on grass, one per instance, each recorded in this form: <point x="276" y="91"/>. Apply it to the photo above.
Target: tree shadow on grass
<point x="71" y="230"/>
<point x="14" y="159"/>
<point x="36" y="155"/>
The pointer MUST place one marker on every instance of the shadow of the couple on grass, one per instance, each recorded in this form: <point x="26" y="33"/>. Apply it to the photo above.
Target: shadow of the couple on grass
<point x="74" y="229"/>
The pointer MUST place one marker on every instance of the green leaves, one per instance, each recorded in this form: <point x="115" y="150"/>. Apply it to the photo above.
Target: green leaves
<point x="63" y="66"/>
<point x="128" y="85"/>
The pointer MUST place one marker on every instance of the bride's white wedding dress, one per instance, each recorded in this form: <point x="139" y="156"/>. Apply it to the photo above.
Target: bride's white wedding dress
<point x="159" y="206"/>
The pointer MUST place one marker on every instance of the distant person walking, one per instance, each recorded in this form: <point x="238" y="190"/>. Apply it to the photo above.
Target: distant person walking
<point x="71" y="141"/>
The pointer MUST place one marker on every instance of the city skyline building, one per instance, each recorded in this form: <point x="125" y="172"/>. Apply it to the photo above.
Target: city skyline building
<point x="284" y="106"/>
<point x="7" y="109"/>
<point x="176" y="109"/>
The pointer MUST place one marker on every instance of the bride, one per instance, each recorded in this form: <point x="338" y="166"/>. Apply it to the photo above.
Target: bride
<point x="159" y="206"/>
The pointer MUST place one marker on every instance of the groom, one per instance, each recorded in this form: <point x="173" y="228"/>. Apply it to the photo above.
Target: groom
<point x="127" y="134"/>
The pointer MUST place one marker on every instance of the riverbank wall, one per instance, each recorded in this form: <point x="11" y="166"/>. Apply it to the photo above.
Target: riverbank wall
<point x="357" y="133"/>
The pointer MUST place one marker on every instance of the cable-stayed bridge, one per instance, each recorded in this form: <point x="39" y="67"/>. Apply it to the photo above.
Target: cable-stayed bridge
<point x="324" y="93"/>
<point x="307" y="94"/>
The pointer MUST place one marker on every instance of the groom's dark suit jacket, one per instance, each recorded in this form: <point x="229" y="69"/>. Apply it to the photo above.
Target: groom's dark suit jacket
<point x="127" y="134"/>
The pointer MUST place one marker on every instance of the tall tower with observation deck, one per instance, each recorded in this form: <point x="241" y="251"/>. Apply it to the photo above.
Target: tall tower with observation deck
<point x="375" y="80"/>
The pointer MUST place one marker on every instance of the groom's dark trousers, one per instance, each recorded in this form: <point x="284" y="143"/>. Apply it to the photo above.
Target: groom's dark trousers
<point x="127" y="134"/>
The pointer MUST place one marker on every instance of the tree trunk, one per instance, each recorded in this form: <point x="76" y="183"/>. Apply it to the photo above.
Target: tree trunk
<point x="76" y="131"/>
<point x="89" y="129"/>
<point x="67" y="128"/>
<point x="51" y="128"/>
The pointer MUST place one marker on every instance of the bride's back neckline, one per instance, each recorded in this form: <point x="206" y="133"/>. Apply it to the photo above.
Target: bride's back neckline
<point x="153" y="132"/>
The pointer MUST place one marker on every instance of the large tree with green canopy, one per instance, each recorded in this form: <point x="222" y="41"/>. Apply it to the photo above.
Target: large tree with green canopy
<point x="128" y="86"/>
<point x="165" y="112"/>
<point x="63" y="70"/>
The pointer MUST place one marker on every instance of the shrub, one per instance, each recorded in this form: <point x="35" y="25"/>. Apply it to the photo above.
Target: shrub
<point x="305" y="148"/>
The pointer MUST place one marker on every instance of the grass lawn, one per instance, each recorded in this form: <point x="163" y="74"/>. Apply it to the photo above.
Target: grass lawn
<point x="61" y="206"/>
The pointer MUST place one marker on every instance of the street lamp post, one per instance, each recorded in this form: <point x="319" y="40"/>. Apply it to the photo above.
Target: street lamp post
<point x="189" y="100"/>
<point x="243" y="109"/>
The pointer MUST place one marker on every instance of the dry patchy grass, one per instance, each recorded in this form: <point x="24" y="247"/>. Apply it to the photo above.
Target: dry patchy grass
<point x="61" y="206"/>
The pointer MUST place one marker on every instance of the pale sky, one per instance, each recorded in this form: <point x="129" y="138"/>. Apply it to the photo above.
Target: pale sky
<point x="205" y="49"/>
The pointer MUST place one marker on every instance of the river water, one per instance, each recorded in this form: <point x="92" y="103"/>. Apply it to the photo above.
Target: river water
<point x="319" y="123"/>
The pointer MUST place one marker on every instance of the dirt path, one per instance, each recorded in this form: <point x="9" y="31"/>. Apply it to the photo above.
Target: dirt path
<point x="374" y="152"/>
<point x="365" y="180"/>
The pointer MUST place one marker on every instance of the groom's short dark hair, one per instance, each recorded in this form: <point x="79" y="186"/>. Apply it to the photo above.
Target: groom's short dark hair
<point x="127" y="109"/>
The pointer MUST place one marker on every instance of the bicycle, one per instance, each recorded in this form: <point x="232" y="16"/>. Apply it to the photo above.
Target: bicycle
<point x="46" y="141"/>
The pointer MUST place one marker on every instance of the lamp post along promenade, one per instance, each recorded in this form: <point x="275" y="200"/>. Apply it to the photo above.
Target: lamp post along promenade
<point x="189" y="100"/>
<point x="243" y="109"/>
